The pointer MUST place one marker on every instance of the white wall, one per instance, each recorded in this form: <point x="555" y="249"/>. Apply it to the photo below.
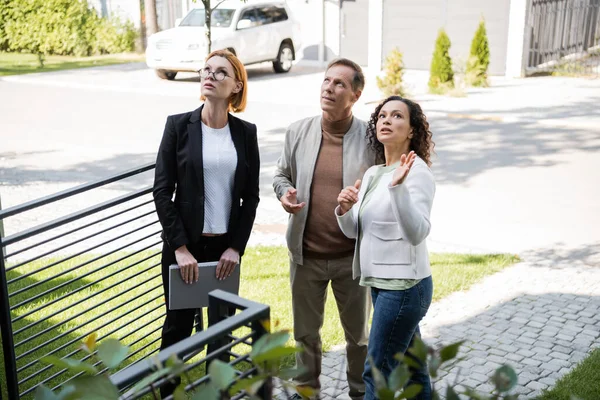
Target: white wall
<point x="332" y="29"/>
<point x="412" y="26"/>
<point x="126" y="10"/>
<point x="515" y="48"/>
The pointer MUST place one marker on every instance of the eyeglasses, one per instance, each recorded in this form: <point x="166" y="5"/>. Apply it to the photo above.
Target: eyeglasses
<point x="217" y="75"/>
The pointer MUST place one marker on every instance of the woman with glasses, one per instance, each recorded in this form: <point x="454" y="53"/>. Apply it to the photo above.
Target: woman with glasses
<point x="388" y="213"/>
<point x="210" y="160"/>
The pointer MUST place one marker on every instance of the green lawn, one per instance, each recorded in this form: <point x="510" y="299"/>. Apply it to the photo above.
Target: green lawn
<point x="583" y="381"/>
<point x="24" y="63"/>
<point x="135" y="316"/>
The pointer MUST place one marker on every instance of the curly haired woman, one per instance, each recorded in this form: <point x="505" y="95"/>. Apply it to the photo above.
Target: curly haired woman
<point x="389" y="216"/>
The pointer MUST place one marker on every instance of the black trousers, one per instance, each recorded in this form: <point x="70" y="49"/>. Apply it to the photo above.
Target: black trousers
<point x="179" y="323"/>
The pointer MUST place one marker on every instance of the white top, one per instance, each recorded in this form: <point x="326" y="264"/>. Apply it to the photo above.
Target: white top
<point x="219" y="160"/>
<point x="394" y="225"/>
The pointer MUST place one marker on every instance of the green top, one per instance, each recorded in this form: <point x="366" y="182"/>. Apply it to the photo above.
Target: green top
<point x="380" y="283"/>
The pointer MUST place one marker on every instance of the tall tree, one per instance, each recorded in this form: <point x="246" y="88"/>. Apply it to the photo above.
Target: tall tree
<point x="208" y="20"/>
<point x="151" y="17"/>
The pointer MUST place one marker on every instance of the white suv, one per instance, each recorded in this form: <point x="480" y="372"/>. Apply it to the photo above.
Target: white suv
<point x="255" y="31"/>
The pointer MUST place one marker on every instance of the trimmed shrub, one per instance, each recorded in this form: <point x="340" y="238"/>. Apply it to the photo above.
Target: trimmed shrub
<point x="441" y="76"/>
<point x="479" y="59"/>
<point x="113" y="36"/>
<point x="5" y="13"/>
<point x="62" y="27"/>
<point x="391" y="83"/>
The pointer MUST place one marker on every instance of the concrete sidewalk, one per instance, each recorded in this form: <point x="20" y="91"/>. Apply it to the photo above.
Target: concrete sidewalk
<point x="551" y="101"/>
<point x="525" y="316"/>
<point x="541" y="316"/>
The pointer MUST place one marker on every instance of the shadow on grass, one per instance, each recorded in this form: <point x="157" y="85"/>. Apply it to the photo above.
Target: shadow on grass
<point x="57" y="322"/>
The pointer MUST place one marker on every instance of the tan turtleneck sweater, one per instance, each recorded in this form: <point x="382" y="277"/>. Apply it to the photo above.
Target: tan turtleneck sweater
<point x="323" y="238"/>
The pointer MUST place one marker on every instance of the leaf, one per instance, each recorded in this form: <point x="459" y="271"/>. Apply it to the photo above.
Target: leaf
<point x="385" y="394"/>
<point x="97" y="387"/>
<point x="451" y="394"/>
<point x="268" y="342"/>
<point x="473" y="394"/>
<point x="68" y="393"/>
<point x="378" y="377"/>
<point x="71" y="364"/>
<point x="112" y="352"/>
<point x="248" y="384"/>
<point x="408" y="361"/>
<point x="398" y="378"/>
<point x="153" y="377"/>
<point x="266" y="324"/>
<point x="433" y="365"/>
<point x="207" y="392"/>
<point x="173" y="361"/>
<point x="89" y="344"/>
<point x="306" y="391"/>
<point x="175" y="365"/>
<point x="179" y="393"/>
<point x="276" y="354"/>
<point x="221" y="374"/>
<point x="411" y="391"/>
<point x="449" y="352"/>
<point x="505" y="378"/>
<point x="419" y="349"/>
<point x="44" y="393"/>
<point x="291" y="373"/>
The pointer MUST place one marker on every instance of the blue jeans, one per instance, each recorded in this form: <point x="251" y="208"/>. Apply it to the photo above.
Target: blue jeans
<point x="396" y="317"/>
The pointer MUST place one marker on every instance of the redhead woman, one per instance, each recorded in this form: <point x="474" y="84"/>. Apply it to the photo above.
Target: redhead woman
<point x="210" y="160"/>
<point x="388" y="213"/>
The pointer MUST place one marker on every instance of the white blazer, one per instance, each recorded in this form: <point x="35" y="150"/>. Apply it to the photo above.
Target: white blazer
<point x="393" y="226"/>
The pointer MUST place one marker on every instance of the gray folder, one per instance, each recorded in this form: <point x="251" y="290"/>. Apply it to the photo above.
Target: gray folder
<point x="195" y="295"/>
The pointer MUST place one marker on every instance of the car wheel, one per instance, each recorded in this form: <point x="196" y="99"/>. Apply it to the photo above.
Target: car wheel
<point x="283" y="63"/>
<point x="164" y="74"/>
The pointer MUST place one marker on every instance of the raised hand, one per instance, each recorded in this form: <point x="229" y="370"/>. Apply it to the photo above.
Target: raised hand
<point x="188" y="266"/>
<point x="289" y="201"/>
<point x="348" y="197"/>
<point x="406" y="162"/>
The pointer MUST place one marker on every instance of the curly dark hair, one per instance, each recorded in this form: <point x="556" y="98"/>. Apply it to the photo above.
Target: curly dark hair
<point x="421" y="142"/>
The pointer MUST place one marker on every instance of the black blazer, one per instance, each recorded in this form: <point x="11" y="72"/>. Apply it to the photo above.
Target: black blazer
<point x="179" y="169"/>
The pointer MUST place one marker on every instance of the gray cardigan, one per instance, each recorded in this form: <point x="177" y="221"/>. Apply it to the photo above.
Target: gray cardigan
<point x="296" y="166"/>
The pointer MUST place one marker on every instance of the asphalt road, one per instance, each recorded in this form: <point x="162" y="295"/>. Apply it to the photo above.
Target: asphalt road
<point x="502" y="185"/>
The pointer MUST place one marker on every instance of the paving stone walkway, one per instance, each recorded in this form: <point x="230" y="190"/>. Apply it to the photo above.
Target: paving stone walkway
<point x="541" y="316"/>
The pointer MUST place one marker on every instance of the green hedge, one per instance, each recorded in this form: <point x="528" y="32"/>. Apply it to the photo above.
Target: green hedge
<point x="61" y="27"/>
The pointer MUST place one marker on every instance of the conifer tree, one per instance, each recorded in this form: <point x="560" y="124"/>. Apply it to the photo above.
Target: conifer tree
<point x="441" y="74"/>
<point x="479" y="59"/>
<point x="391" y="83"/>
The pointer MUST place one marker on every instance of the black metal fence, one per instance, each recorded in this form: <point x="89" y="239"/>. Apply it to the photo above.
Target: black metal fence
<point x="563" y="35"/>
<point x="85" y="260"/>
<point x="219" y="336"/>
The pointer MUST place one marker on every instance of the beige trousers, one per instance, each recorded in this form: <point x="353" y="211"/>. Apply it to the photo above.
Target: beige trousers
<point x="309" y="291"/>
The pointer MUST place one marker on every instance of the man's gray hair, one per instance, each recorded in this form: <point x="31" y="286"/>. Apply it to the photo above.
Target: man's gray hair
<point x="358" y="82"/>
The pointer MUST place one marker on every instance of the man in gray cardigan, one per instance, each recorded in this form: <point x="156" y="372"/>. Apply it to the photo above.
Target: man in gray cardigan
<point x="322" y="155"/>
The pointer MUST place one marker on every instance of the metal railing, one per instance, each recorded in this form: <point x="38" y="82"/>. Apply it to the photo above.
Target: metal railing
<point x="563" y="35"/>
<point x="222" y="337"/>
<point x="85" y="260"/>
